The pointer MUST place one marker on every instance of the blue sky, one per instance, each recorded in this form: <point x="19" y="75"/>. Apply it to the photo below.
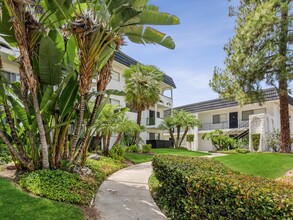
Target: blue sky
<point x="204" y="30"/>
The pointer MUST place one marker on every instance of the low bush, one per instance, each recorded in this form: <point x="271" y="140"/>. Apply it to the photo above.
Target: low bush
<point x="255" y="141"/>
<point x="117" y="152"/>
<point x="5" y="156"/>
<point x="133" y="149"/>
<point x="146" y="148"/>
<point x="242" y="150"/>
<point x="105" y="166"/>
<point x="60" y="185"/>
<point x="202" y="188"/>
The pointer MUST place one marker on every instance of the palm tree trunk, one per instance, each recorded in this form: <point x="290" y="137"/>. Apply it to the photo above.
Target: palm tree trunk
<point x="184" y="135"/>
<point x="172" y="135"/>
<point x="78" y="127"/>
<point x="21" y="38"/>
<point x="13" y="131"/>
<point x="118" y="139"/>
<point x="138" y="121"/>
<point x="15" y="153"/>
<point x="178" y="137"/>
<point x="285" y="144"/>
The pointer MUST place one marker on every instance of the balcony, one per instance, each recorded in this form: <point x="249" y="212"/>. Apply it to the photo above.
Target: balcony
<point x="153" y="122"/>
<point x="224" y="125"/>
<point x="165" y="101"/>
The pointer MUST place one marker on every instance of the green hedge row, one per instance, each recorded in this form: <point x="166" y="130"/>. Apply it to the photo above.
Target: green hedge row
<point x="201" y="188"/>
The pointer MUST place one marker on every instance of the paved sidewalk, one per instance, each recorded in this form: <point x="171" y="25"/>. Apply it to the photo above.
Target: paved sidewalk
<point x="125" y="196"/>
<point x="215" y="155"/>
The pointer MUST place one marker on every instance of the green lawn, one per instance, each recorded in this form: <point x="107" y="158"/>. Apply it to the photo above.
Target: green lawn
<point x="16" y="204"/>
<point x="142" y="158"/>
<point x="270" y="165"/>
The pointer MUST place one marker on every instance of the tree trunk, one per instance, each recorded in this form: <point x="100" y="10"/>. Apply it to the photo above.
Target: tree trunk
<point x="118" y="139"/>
<point x="21" y="38"/>
<point x="184" y="135"/>
<point x="13" y="131"/>
<point x="15" y="153"/>
<point x="172" y="136"/>
<point x="285" y="144"/>
<point x="138" y="121"/>
<point x="78" y="127"/>
<point x="178" y="137"/>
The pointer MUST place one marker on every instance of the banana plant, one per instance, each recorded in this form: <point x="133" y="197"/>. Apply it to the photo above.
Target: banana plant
<point x="63" y="45"/>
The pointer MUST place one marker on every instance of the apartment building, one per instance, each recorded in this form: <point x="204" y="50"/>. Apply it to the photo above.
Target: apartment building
<point x="235" y="120"/>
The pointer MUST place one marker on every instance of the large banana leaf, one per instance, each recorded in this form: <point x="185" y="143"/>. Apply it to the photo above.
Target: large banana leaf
<point x="47" y="96"/>
<point x="50" y="68"/>
<point x="20" y="112"/>
<point x="59" y="42"/>
<point x="152" y="17"/>
<point x="148" y="35"/>
<point x="68" y="97"/>
<point x="6" y="31"/>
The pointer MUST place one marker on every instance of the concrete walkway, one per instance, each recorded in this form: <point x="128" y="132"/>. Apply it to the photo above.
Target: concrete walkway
<point x="125" y="196"/>
<point x="215" y="155"/>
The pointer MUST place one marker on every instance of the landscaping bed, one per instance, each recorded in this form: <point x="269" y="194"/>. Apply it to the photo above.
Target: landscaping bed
<point x="147" y="157"/>
<point x="202" y="188"/>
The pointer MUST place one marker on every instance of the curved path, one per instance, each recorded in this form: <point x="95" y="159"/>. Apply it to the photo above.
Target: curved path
<point x="125" y="195"/>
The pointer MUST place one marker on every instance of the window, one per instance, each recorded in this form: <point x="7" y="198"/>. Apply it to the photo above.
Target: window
<point x="114" y="101"/>
<point x="9" y="76"/>
<point x="246" y="114"/>
<point x="220" y="118"/>
<point x="115" y="76"/>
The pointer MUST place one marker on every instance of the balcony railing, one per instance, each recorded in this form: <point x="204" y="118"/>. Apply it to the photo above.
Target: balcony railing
<point x="152" y="121"/>
<point x="224" y="125"/>
<point x="165" y="101"/>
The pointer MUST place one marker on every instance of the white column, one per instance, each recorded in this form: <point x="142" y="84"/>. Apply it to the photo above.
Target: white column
<point x="276" y="117"/>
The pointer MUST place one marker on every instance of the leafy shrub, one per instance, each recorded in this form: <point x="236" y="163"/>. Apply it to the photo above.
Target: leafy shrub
<point x="274" y="140"/>
<point x="117" y="152"/>
<point x="190" y="137"/>
<point x="220" y="141"/>
<point x="60" y="185"/>
<point x="255" y="141"/>
<point x="242" y="150"/>
<point x="5" y="156"/>
<point x="133" y="149"/>
<point x="146" y="148"/>
<point x="202" y="188"/>
<point x="105" y="165"/>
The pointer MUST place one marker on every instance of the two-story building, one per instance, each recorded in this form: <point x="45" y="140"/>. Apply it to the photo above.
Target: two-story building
<point x="234" y="120"/>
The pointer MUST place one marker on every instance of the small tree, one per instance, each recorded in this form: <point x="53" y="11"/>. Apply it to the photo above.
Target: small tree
<point x="219" y="140"/>
<point x="179" y="120"/>
<point x="273" y="140"/>
<point x="190" y="139"/>
<point x="142" y="89"/>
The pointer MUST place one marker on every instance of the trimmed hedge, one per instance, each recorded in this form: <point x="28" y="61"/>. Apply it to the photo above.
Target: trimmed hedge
<point x="202" y="188"/>
<point x="60" y="185"/>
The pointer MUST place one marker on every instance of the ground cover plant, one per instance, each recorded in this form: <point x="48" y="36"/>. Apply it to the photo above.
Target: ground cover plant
<point x="68" y="187"/>
<point x="270" y="165"/>
<point x="142" y="158"/>
<point x="202" y="188"/>
<point x="16" y="204"/>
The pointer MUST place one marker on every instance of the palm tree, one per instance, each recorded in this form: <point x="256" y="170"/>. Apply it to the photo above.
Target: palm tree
<point x="179" y="120"/>
<point x="142" y="89"/>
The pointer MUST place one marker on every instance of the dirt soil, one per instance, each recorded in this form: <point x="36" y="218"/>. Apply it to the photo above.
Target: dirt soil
<point x="9" y="172"/>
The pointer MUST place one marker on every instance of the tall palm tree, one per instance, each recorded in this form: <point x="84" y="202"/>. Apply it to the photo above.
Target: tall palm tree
<point x="142" y="89"/>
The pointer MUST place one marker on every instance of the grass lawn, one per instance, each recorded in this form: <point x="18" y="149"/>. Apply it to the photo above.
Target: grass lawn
<point x="270" y="165"/>
<point x="142" y="158"/>
<point x="16" y="204"/>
